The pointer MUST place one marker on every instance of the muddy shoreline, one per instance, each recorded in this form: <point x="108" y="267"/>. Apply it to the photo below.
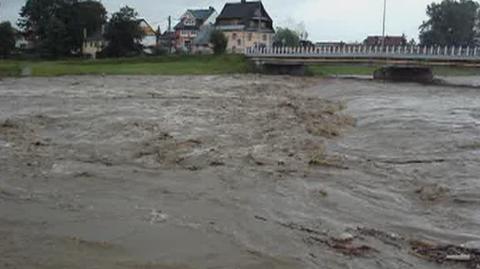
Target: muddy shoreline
<point x="239" y="171"/>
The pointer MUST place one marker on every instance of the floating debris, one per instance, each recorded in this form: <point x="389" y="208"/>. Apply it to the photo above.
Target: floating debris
<point x="346" y="247"/>
<point x="446" y="253"/>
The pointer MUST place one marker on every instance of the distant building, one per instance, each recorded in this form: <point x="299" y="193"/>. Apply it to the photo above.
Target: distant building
<point x="150" y="39"/>
<point x="330" y="44"/>
<point x="190" y="24"/>
<point x="201" y="44"/>
<point x="93" y="43"/>
<point x="246" y="24"/>
<point x="23" y="40"/>
<point x="389" y="41"/>
<point x="306" y="44"/>
<point x="167" y="42"/>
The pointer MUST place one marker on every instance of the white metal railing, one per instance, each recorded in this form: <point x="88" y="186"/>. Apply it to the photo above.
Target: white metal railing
<point x="407" y="52"/>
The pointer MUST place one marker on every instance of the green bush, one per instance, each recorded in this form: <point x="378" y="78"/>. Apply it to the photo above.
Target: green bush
<point x="219" y="41"/>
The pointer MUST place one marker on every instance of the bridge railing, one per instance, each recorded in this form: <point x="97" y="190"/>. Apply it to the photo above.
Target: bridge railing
<point x="421" y="52"/>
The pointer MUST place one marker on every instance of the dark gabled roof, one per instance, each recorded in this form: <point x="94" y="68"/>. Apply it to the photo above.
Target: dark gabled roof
<point x="389" y="40"/>
<point x="243" y="10"/>
<point x="201" y="15"/>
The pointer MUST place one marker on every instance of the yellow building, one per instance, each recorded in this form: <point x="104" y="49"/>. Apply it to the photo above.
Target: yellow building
<point x="246" y="25"/>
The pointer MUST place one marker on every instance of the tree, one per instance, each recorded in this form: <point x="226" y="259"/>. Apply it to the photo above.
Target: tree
<point x="35" y="14"/>
<point x="7" y="39"/>
<point x="219" y="41"/>
<point x="61" y="23"/>
<point x="39" y="17"/>
<point x="450" y="23"/>
<point x="123" y="33"/>
<point x="88" y="15"/>
<point x="286" y="37"/>
<point x="57" y="39"/>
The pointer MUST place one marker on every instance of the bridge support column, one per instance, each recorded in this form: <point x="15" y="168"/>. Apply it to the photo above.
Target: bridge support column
<point x="404" y="74"/>
<point x="279" y="68"/>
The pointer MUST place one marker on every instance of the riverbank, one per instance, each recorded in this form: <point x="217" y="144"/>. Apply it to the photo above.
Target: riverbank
<point x="181" y="65"/>
<point x="167" y="65"/>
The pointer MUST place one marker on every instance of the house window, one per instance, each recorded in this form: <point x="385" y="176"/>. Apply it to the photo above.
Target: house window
<point x="234" y="36"/>
<point x="264" y="37"/>
<point x="189" y="22"/>
<point x="239" y="42"/>
<point x="250" y="35"/>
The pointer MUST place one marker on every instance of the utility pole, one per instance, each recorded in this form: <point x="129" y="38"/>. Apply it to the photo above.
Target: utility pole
<point x="169" y="23"/>
<point x="169" y="33"/>
<point x="384" y="22"/>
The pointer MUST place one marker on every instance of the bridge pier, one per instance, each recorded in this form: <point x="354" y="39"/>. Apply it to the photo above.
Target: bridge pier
<point x="280" y="68"/>
<point x="404" y="73"/>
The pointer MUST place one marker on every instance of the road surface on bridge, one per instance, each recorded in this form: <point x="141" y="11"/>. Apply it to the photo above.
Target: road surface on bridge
<point x="403" y="55"/>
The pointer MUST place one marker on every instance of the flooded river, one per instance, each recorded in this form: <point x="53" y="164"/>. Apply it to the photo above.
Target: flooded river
<point x="236" y="172"/>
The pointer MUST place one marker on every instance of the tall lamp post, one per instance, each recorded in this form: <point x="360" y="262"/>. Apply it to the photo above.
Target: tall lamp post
<point x="384" y="22"/>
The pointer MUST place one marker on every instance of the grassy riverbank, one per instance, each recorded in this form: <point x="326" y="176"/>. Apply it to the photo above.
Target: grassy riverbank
<point x="351" y="69"/>
<point x="168" y="65"/>
<point x="179" y="65"/>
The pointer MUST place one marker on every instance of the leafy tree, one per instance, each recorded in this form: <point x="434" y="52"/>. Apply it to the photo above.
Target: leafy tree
<point x="450" y="22"/>
<point x="58" y="25"/>
<point x="88" y="15"/>
<point x="286" y="37"/>
<point x="123" y="33"/>
<point x="57" y="39"/>
<point x="35" y="14"/>
<point x="7" y="39"/>
<point x="38" y="17"/>
<point x="219" y="41"/>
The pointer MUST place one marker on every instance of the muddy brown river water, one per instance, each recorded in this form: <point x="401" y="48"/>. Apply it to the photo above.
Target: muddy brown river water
<point x="236" y="172"/>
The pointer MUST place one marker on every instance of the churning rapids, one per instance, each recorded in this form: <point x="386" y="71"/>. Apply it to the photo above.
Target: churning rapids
<point x="238" y="172"/>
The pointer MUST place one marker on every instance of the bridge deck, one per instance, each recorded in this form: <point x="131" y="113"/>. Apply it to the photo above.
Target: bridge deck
<point x="362" y="54"/>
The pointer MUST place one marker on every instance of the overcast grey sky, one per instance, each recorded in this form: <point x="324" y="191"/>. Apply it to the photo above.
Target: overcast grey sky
<point x="325" y="20"/>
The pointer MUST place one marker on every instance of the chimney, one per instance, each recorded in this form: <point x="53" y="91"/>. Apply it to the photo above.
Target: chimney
<point x="243" y="1"/>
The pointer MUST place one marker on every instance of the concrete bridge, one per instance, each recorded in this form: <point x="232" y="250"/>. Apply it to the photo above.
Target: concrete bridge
<point x="419" y="60"/>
